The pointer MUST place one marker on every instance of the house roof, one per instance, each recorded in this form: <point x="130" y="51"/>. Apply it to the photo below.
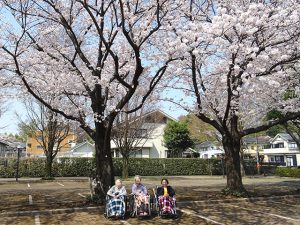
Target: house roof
<point x="190" y="150"/>
<point x="284" y="136"/>
<point x="11" y="143"/>
<point x="259" y="139"/>
<point x="78" y="146"/>
<point x="149" y="114"/>
<point x="205" y="144"/>
<point x="162" y="112"/>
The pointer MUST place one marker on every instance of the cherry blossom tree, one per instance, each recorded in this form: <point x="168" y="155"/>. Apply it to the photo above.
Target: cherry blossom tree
<point x="92" y="56"/>
<point x="239" y="59"/>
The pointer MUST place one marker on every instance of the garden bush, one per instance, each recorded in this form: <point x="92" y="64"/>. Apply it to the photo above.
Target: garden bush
<point x="73" y="167"/>
<point x="287" y="172"/>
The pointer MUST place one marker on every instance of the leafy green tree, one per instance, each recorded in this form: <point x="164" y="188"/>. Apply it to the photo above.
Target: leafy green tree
<point x="273" y="131"/>
<point x="177" y="138"/>
<point x="199" y="130"/>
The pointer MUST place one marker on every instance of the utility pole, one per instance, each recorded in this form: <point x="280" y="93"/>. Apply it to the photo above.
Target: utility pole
<point x="257" y="156"/>
<point x="18" y="162"/>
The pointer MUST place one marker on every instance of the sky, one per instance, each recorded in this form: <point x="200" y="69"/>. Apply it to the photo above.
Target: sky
<point x="9" y="120"/>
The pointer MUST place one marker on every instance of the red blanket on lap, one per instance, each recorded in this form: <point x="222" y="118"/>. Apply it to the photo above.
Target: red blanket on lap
<point x="166" y="204"/>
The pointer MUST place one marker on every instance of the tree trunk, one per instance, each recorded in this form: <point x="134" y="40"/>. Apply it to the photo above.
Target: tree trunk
<point x="49" y="161"/>
<point x="104" y="163"/>
<point x="125" y="167"/>
<point x="242" y="162"/>
<point x="232" y="161"/>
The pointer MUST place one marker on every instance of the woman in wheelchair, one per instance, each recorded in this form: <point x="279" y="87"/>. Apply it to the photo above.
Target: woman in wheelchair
<point x="166" y="198"/>
<point x="116" y="206"/>
<point x="141" y="197"/>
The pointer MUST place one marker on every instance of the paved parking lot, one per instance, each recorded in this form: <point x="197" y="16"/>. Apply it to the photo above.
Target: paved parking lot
<point x="198" y="203"/>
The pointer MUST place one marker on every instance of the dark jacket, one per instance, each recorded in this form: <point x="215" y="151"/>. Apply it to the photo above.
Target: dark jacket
<point x="160" y="191"/>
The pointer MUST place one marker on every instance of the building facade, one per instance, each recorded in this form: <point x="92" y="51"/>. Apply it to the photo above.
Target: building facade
<point x="209" y="149"/>
<point x="153" y="145"/>
<point x="282" y="150"/>
<point x="34" y="146"/>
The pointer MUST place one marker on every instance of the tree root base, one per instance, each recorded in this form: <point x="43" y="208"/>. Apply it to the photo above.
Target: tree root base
<point x="241" y="193"/>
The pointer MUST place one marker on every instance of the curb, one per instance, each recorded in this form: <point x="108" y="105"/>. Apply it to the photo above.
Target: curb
<point x="52" y="211"/>
<point x="42" y="181"/>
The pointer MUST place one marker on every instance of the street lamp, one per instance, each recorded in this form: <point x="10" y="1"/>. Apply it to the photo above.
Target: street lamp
<point x="18" y="162"/>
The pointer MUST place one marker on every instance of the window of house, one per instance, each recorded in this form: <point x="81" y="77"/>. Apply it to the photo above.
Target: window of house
<point x="272" y="159"/>
<point x="39" y="138"/>
<point x="279" y="158"/>
<point x="138" y="154"/>
<point x="39" y="147"/>
<point x="29" y="145"/>
<point x="281" y="145"/>
<point x="71" y="142"/>
<point x="278" y="145"/>
<point x="292" y="145"/>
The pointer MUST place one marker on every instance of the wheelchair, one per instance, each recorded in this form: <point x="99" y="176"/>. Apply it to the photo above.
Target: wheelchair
<point x="162" y="212"/>
<point x="122" y="201"/>
<point x="140" y="211"/>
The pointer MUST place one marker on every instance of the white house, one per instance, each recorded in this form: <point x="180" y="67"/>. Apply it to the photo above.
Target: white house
<point x="84" y="149"/>
<point x="153" y="145"/>
<point x="209" y="149"/>
<point x="282" y="150"/>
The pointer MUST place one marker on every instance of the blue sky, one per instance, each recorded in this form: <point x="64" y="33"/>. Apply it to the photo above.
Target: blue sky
<point x="9" y="120"/>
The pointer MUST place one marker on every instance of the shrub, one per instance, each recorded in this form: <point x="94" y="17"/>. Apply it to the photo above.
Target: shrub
<point x="287" y="172"/>
<point x="72" y="167"/>
<point x="196" y="155"/>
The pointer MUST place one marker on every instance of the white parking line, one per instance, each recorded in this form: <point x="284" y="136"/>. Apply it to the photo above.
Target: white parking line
<point x="81" y="195"/>
<point x="200" y="216"/>
<point x="37" y="219"/>
<point x="30" y="200"/>
<point x="241" y="199"/>
<point x="282" y="203"/>
<point x="125" y="222"/>
<point x="271" y="214"/>
<point x="60" y="184"/>
<point x="28" y="185"/>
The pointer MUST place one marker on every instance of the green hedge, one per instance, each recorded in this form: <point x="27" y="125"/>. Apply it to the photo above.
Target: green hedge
<point x="71" y="167"/>
<point x="287" y="172"/>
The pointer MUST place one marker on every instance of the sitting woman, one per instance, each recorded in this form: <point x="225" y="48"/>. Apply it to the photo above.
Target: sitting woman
<point x="141" y="196"/>
<point x="165" y="195"/>
<point x="116" y="200"/>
